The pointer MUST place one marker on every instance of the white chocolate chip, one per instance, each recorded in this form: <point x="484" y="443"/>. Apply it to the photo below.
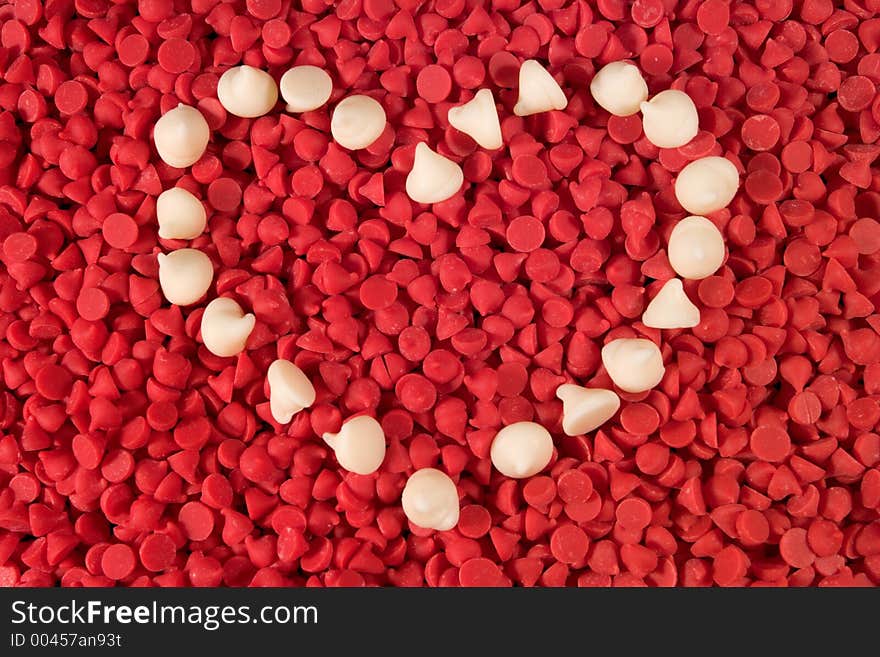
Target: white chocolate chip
<point x="634" y="364"/>
<point x="430" y="500"/>
<point x="185" y="275"/>
<point x="521" y="450"/>
<point x="290" y="391"/>
<point x="357" y="122"/>
<point x="478" y="118"/>
<point x="433" y="178"/>
<point x="707" y="185"/>
<point x="696" y="248"/>
<point x="619" y="88"/>
<point x="181" y="136"/>
<point x="247" y="92"/>
<point x="305" y="88"/>
<point x="181" y="215"/>
<point x="671" y="308"/>
<point x="359" y="445"/>
<point x="226" y="327"/>
<point x="585" y="409"/>
<point x="670" y="119"/>
<point x="538" y="91"/>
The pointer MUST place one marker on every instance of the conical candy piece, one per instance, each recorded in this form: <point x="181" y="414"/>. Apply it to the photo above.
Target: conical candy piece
<point x="696" y="248"/>
<point x="430" y="500"/>
<point x="357" y="122"/>
<point x="247" y="92"/>
<point x="225" y="327"/>
<point x="521" y="450"/>
<point x="185" y="275"/>
<point x="359" y="445"/>
<point x="305" y="88"/>
<point x="707" y="185"/>
<point x="634" y="364"/>
<point x="538" y="91"/>
<point x="671" y="308"/>
<point x="585" y="409"/>
<point x="670" y="119"/>
<point x="478" y="118"/>
<point x="181" y="136"/>
<point x="619" y="88"/>
<point x="433" y="178"/>
<point x="290" y="391"/>
<point x="181" y="216"/>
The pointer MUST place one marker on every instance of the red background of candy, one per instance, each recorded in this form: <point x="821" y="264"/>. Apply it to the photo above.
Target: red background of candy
<point x="131" y="455"/>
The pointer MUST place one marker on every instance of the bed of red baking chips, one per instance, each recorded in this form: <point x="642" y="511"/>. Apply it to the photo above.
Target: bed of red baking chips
<point x="130" y="455"/>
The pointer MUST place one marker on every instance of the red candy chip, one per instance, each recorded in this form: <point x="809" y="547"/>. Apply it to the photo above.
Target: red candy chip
<point x="525" y="233"/>
<point x="71" y="97"/>
<point x="574" y="486"/>
<point x="480" y="572"/>
<point x="539" y="492"/>
<point x="474" y="521"/>
<point x="569" y="544"/>
<point x="752" y="527"/>
<point x="633" y="513"/>
<point x="713" y="16"/>
<point x="157" y="552"/>
<point x="416" y="393"/>
<point x="793" y="547"/>
<point x="760" y="132"/>
<point x="120" y="231"/>
<point x="118" y="561"/>
<point x="196" y="520"/>
<point x="263" y="9"/>
<point x="53" y="382"/>
<point x="133" y="50"/>
<point x="434" y="83"/>
<point x="729" y="566"/>
<point x="19" y="247"/>
<point x="856" y="93"/>
<point x="529" y="171"/>
<point x="176" y="55"/>
<point x="770" y="443"/>
<point x="640" y="418"/>
<point x="865" y="233"/>
<point x="92" y="304"/>
<point x="647" y="13"/>
<point x="224" y="194"/>
<point x="378" y="292"/>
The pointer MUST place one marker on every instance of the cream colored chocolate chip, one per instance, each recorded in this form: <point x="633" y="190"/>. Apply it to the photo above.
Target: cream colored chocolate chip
<point x="290" y="390"/>
<point x="521" y="450"/>
<point x="671" y="308"/>
<point x="226" y="327"/>
<point x="619" y="88"/>
<point x="707" y="185"/>
<point x="696" y="248"/>
<point x="538" y="91"/>
<point x="670" y="119"/>
<point x="478" y="118"/>
<point x="359" y="445"/>
<point x="181" y="216"/>
<point x="634" y="364"/>
<point x="430" y="500"/>
<point x="357" y="122"/>
<point x="247" y="92"/>
<point x="181" y="136"/>
<point x="305" y="88"/>
<point x="433" y="178"/>
<point x="585" y="409"/>
<point x="185" y="275"/>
